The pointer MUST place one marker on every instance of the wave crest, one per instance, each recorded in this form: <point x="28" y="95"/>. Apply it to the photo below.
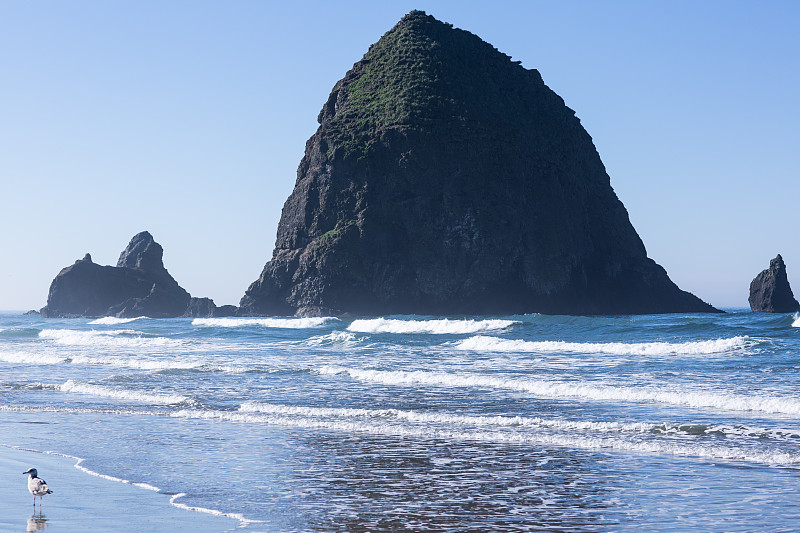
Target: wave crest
<point x="112" y="320"/>
<point x="117" y="337"/>
<point x="78" y="387"/>
<point x="441" y="326"/>
<point x="285" y="323"/>
<point x="611" y="437"/>
<point x="579" y="390"/>
<point x="497" y="344"/>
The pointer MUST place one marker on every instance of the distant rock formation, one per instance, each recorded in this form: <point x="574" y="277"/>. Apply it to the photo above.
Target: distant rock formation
<point x="138" y="286"/>
<point x="770" y="291"/>
<point x="446" y="178"/>
<point x="205" y="308"/>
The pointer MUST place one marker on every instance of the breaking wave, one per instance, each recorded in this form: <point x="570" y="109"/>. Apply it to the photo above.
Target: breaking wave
<point x="796" y="323"/>
<point x="576" y="390"/>
<point x="636" y="437"/>
<point x="36" y="358"/>
<point x="496" y="344"/>
<point x="77" y="387"/>
<point x="285" y="323"/>
<point x="441" y="418"/>
<point x="493" y="430"/>
<point x="439" y="326"/>
<point x="117" y="337"/>
<point x="112" y="320"/>
<point x="335" y="338"/>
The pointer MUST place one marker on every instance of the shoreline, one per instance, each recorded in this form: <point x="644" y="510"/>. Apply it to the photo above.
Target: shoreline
<point x="94" y="502"/>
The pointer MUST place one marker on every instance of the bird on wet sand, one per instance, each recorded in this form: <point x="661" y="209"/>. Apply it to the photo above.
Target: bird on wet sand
<point x="37" y="486"/>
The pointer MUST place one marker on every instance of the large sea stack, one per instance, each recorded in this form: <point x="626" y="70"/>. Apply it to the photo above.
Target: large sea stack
<point x="446" y="178"/>
<point x="138" y="286"/>
<point x="770" y="291"/>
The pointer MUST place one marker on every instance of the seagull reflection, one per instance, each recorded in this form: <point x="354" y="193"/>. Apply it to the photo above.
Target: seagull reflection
<point x="37" y="522"/>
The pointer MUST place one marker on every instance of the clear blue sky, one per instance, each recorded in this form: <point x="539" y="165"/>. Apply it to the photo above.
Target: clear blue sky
<point x="189" y="118"/>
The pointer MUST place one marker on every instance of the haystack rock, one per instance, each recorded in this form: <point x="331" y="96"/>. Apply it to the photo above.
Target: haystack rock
<point x="446" y="178"/>
<point x="770" y="291"/>
<point x="138" y="286"/>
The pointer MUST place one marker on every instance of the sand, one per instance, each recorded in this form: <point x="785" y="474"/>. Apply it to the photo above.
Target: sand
<point x="84" y="503"/>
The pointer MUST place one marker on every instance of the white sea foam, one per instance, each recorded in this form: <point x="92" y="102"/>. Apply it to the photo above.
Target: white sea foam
<point x="344" y="338"/>
<point x="604" y="436"/>
<point x="576" y="389"/>
<point x="496" y="344"/>
<point x="117" y="337"/>
<point x="78" y="387"/>
<point x="112" y="320"/>
<point x="439" y="326"/>
<point x="572" y="440"/>
<point x="79" y="466"/>
<point x="796" y="323"/>
<point x="138" y="363"/>
<point x="253" y="412"/>
<point x="286" y="323"/>
<point x="142" y="362"/>
<point x="32" y="358"/>
<point x="236" y="516"/>
<point x="442" y="418"/>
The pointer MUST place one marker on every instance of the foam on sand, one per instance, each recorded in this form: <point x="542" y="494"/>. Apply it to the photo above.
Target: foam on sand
<point x="496" y="344"/>
<point x="285" y="323"/>
<point x="442" y="326"/>
<point x="123" y="510"/>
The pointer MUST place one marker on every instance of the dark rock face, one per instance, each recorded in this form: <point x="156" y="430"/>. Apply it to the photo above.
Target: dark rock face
<point x="226" y="310"/>
<point x="138" y="286"/>
<point x="770" y="291"/>
<point x="446" y="179"/>
<point x="205" y="308"/>
<point x="200" y="308"/>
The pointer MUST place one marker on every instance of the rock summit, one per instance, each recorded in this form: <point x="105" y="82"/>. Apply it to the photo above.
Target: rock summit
<point x="770" y="291"/>
<point x="446" y="178"/>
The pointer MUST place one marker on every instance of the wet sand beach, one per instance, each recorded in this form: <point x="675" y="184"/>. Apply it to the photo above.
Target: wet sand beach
<point x="85" y="503"/>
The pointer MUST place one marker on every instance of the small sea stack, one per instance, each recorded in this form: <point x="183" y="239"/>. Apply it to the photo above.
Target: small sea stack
<point x="138" y="286"/>
<point x="770" y="291"/>
<point x="446" y="178"/>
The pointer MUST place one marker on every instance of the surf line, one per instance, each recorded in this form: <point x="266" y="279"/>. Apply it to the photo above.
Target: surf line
<point x="243" y="522"/>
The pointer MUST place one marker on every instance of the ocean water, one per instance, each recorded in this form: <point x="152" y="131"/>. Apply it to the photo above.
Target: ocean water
<point x="412" y="423"/>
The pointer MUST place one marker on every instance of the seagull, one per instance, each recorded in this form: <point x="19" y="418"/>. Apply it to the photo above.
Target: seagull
<point x="37" y="486"/>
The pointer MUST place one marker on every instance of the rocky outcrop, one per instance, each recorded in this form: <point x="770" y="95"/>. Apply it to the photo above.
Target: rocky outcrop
<point x="770" y="291"/>
<point x="138" y="286"/>
<point x="205" y="308"/>
<point x="445" y="178"/>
